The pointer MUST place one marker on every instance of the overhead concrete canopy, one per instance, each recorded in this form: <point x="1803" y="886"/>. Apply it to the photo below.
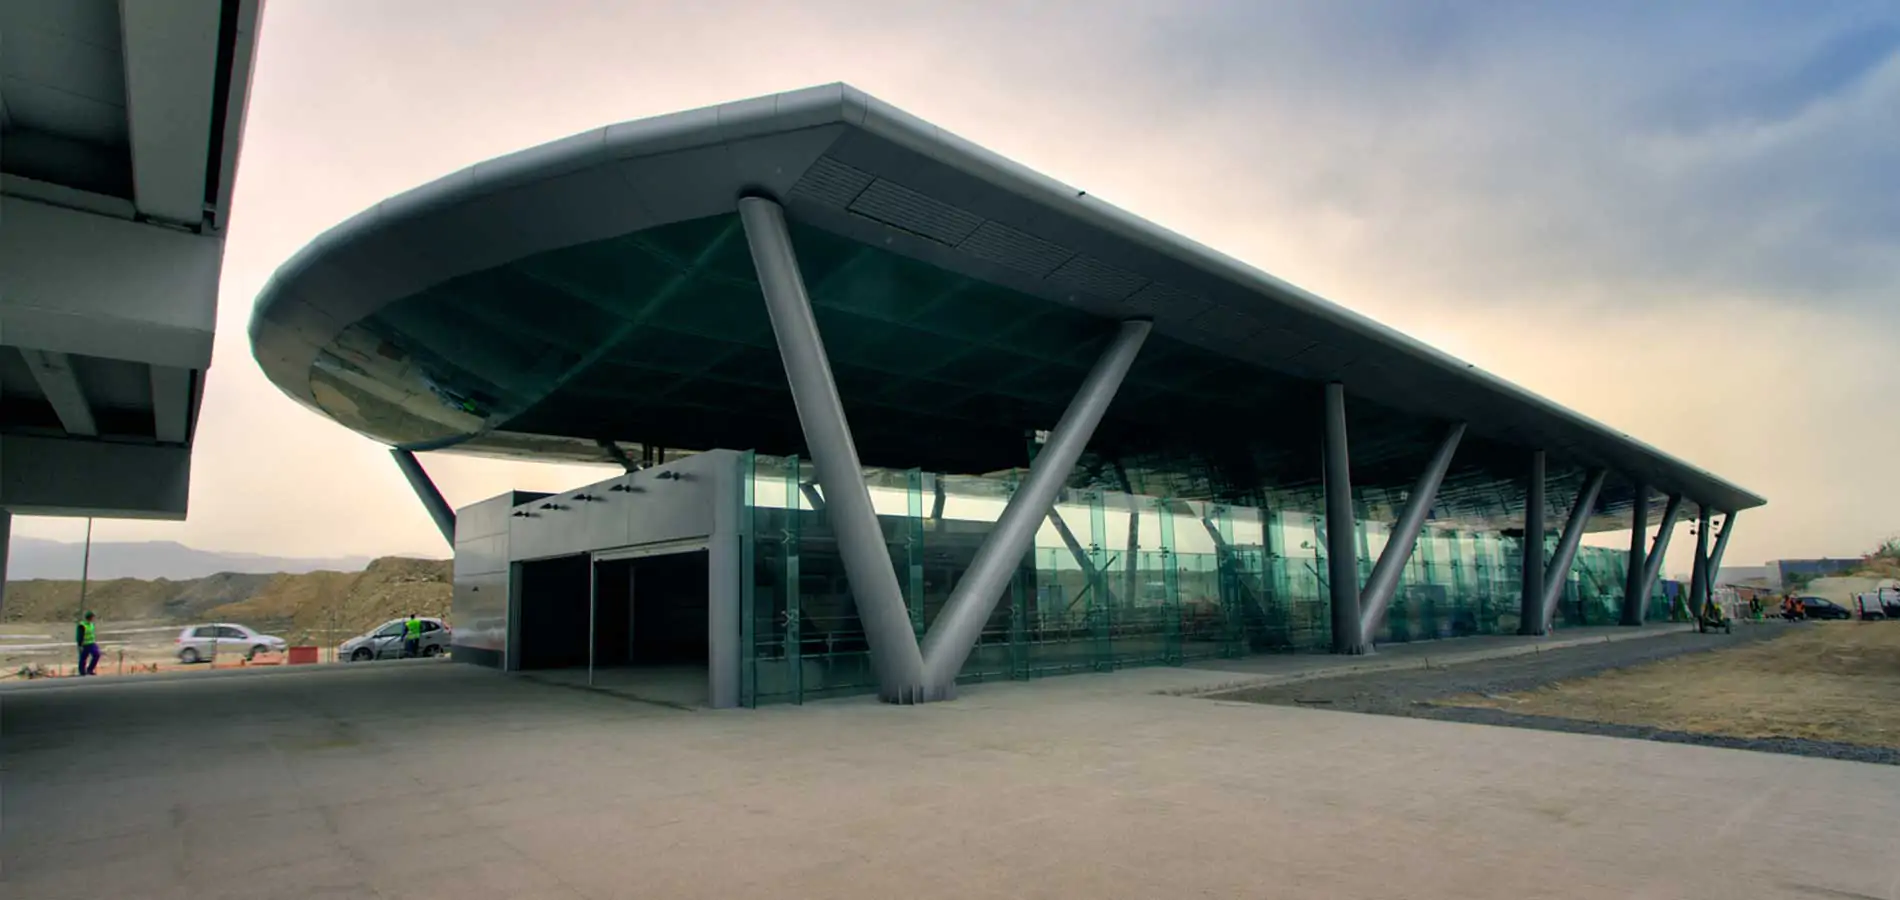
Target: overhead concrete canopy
<point x="599" y="288"/>
<point x="120" y="125"/>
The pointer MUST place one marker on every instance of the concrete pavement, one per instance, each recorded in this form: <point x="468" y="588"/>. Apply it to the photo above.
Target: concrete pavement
<point x="447" y="781"/>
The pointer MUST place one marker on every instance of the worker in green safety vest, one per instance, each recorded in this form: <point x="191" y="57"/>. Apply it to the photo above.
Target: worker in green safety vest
<point x="412" y="637"/>
<point x="86" y="635"/>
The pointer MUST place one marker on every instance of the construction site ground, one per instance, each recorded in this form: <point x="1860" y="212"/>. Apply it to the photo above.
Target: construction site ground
<point x="38" y="650"/>
<point x="1824" y="689"/>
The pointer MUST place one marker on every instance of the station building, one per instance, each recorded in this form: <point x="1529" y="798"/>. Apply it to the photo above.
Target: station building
<point x="892" y="414"/>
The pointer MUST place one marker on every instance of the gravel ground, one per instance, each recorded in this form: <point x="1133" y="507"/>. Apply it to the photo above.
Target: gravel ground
<point x="1411" y="692"/>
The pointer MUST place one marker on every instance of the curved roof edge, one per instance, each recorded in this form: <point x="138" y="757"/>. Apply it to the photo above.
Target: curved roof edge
<point x="348" y="260"/>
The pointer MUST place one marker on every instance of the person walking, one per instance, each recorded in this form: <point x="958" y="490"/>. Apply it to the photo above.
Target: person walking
<point x="87" y="636"/>
<point x="412" y="637"/>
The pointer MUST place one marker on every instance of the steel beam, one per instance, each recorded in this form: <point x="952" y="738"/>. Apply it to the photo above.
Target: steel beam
<point x="1342" y="554"/>
<point x="1633" y="584"/>
<point x="954" y="634"/>
<point x="54" y="373"/>
<point x="1652" y="566"/>
<point x="1384" y="581"/>
<point x="170" y="54"/>
<point x="1567" y="545"/>
<point x="171" y="404"/>
<point x="419" y="481"/>
<point x="895" y="656"/>
<point x="1530" y="607"/>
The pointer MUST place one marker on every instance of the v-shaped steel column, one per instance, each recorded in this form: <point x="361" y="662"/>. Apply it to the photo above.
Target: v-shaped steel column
<point x="867" y="563"/>
<point x="906" y="672"/>
<point x="953" y="635"/>
<point x="1699" y="573"/>
<point x="1652" y="566"/>
<point x="1721" y="547"/>
<point x="1559" y="571"/>
<point x="1384" y="581"/>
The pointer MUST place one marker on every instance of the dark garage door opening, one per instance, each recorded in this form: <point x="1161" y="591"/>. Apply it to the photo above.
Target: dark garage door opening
<point x="649" y="624"/>
<point x="552" y="618"/>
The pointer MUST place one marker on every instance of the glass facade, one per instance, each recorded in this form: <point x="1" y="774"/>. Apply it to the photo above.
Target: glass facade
<point x="1115" y="579"/>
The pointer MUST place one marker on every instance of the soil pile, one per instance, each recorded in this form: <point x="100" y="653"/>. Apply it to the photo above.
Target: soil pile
<point x="309" y="608"/>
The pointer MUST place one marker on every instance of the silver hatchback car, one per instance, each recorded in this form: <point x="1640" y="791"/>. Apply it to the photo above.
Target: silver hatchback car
<point x="386" y="641"/>
<point x="204" y="643"/>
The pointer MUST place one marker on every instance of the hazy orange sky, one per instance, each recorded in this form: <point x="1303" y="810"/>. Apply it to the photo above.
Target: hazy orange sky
<point x="1683" y="221"/>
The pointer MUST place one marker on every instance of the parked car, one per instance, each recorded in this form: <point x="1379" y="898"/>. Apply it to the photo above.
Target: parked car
<point x="200" y="643"/>
<point x="386" y="641"/>
<point x="1881" y="604"/>
<point x="1822" y="608"/>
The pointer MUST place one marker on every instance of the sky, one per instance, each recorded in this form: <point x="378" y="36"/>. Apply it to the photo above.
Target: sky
<point x="1680" y="219"/>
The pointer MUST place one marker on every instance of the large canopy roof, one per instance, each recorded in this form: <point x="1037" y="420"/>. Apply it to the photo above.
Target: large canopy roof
<point x="598" y="288"/>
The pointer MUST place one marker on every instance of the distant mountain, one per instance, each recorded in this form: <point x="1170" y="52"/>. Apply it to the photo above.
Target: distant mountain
<point x="31" y="558"/>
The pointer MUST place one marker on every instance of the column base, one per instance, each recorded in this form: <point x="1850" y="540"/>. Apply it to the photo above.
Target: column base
<point x="914" y="694"/>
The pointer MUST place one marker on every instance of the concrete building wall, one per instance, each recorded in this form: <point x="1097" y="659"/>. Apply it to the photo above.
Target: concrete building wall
<point x="690" y="503"/>
<point x="480" y="608"/>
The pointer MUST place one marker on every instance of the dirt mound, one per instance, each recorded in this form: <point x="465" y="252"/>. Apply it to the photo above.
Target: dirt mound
<point x="326" y="607"/>
<point x="120" y="599"/>
<point x="311" y="608"/>
<point x="197" y="596"/>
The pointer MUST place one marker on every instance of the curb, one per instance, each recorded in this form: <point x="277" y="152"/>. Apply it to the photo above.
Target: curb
<point x="1420" y="662"/>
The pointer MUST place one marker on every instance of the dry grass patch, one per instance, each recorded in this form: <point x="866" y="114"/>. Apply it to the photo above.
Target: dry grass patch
<point x="1828" y="681"/>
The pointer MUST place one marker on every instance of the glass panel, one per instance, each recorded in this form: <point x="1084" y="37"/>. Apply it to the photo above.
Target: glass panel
<point x="1113" y="579"/>
<point x="748" y="582"/>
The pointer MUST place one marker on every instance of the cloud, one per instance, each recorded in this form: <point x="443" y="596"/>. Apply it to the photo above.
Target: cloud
<point x="1612" y="155"/>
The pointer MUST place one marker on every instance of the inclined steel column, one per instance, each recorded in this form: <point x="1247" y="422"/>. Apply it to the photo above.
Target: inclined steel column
<point x="1076" y="550"/>
<point x="618" y="455"/>
<point x="867" y="563"/>
<point x="1530" y="607"/>
<point x="1225" y="552"/>
<point x="1721" y="547"/>
<point x="1384" y="581"/>
<point x="1633" y="580"/>
<point x="1559" y="571"/>
<point x="1699" y="573"/>
<point x="1342" y="552"/>
<point x="953" y="635"/>
<point x="439" y="509"/>
<point x="1652" y="566"/>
